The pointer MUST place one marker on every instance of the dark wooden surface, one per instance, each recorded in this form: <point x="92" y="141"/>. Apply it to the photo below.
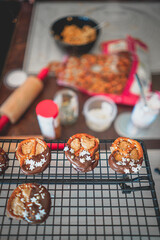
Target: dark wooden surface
<point x="27" y="124"/>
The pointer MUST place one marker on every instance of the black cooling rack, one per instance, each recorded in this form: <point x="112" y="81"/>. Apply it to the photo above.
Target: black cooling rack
<point x="96" y="205"/>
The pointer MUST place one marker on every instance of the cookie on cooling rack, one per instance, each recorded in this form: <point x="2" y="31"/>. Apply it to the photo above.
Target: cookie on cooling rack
<point x="30" y="202"/>
<point x="34" y="155"/>
<point x="82" y="151"/>
<point x="126" y="156"/>
<point x="3" y="161"/>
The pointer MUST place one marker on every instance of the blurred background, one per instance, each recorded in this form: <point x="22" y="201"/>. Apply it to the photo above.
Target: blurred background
<point x="103" y="80"/>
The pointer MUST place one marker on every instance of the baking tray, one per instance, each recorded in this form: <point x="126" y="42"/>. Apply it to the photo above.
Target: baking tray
<point x="96" y="205"/>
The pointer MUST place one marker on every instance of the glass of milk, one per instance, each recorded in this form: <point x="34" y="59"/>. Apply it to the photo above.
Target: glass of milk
<point x="144" y="114"/>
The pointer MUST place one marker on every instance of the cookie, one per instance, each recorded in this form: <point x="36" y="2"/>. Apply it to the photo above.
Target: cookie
<point x="95" y="73"/>
<point x="126" y="156"/>
<point x="34" y="155"/>
<point x="82" y="151"/>
<point x="30" y="202"/>
<point x="3" y="161"/>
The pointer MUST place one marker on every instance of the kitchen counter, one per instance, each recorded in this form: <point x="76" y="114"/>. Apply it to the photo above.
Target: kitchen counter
<point x="27" y="124"/>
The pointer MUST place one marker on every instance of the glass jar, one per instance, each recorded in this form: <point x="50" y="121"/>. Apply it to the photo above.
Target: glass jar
<point x="67" y="102"/>
<point x="144" y="115"/>
<point x="99" y="112"/>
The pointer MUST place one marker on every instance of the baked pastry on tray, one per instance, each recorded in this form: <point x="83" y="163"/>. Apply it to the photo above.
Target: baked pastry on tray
<point x="82" y="151"/>
<point x="34" y="155"/>
<point x="3" y="161"/>
<point x="30" y="202"/>
<point x="126" y="156"/>
<point x="94" y="73"/>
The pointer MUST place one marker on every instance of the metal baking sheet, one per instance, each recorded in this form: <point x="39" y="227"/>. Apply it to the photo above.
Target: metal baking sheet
<point x="100" y="204"/>
<point x="140" y="20"/>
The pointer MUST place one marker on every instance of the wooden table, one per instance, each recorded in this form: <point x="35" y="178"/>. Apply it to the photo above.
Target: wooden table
<point x="28" y="124"/>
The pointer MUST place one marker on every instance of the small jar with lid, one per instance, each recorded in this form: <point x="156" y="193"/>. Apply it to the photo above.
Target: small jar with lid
<point x="67" y="102"/>
<point x="48" y="118"/>
<point x="99" y="112"/>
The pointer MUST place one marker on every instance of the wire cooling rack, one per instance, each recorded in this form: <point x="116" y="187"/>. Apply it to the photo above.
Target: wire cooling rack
<point x="96" y="205"/>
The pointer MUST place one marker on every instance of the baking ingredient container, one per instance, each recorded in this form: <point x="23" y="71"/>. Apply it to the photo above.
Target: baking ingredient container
<point x="67" y="102"/>
<point x="48" y="119"/>
<point x="99" y="112"/>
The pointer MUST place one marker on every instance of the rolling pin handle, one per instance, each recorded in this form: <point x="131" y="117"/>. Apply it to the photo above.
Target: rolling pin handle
<point x="43" y="73"/>
<point x="56" y="146"/>
<point x="3" y="121"/>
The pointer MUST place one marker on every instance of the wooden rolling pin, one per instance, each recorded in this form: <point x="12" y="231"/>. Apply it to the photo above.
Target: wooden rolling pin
<point x="18" y="102"/>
